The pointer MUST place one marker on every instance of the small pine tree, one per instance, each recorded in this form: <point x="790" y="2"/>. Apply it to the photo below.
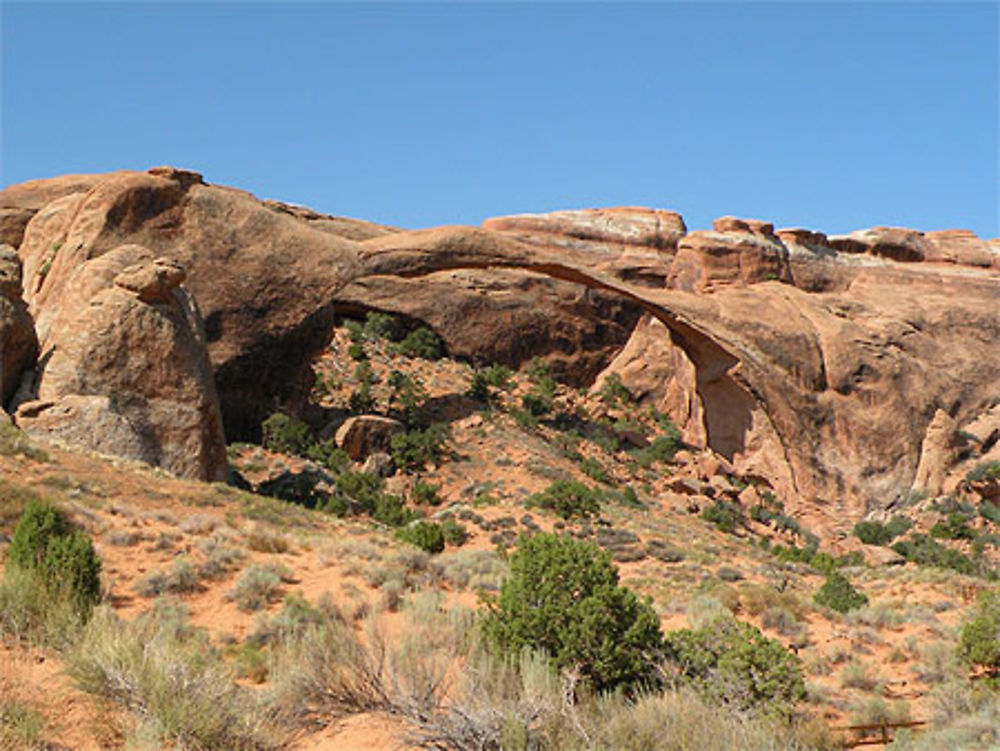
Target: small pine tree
<point x="427" y="536"/>
<point x="980" y="640"/>
<point x="563" y="596"/>
<point x="837" y="593"/>
<point x="40" y="524"/>
<point x="63" y="558"/>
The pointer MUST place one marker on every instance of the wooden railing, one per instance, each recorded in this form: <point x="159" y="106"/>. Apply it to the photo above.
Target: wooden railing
<point x="883" y="728"/>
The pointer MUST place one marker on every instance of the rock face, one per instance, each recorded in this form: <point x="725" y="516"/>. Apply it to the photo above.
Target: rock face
<point x="124" y="369"/>
<point x="817" y="362"/>
<point x="18" y="344"/>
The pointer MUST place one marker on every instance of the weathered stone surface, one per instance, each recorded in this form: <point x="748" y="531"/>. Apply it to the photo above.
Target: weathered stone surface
<point x="737" y="252"/>
<point x="895" y="243"/>
<point x="364" y="435"/>
<point x="124" y="368"/>
<point x="632" y="243"/>
<point x="937" y="453"/>
<point x="18" y="344"/>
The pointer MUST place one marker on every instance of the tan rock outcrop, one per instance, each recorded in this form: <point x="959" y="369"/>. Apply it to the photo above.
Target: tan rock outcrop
<point x="738" y="251"/>
<point x="124" y="369"/>
<point x="632" y="243"/>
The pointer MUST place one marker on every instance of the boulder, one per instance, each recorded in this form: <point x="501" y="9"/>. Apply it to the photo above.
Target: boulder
<point x="125" y="371"/>
<point x="364" y="435"/>
<point x="740" y="252"/>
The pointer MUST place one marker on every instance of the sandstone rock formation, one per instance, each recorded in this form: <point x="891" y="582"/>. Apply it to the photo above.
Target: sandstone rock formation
<point x="816" y="362"/>
<point x="18" y="344"/>
<point x="124" y="369"/>
<point x="270" y="279"/>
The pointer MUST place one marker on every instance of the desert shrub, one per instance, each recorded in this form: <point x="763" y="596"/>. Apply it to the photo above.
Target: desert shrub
<point x="499" y="376"/>
<point x="898" y="525"/>
<point x="613" y="391"/>
<point x="990" y="512"/>
<point x="389" y="510"/>
<point x="733" y="662"/>
<point x="984" y="471"/>
<point x="925" y="551"/>
<point x="593" y="469"/>
<point x="567" y="498"/>
<point x="537" y="403"/>
<point x="856" y="674"/>
<point x="180" y="579"/>
<point x="954" y="527"/>
<point x="258" y="586"/>
<point x="725" y="515"/>
<point x="837" y="593"/>
<point x="422" y="343"/>
<point x="454" y="532"/>
<point x="426" y="494"/>
<point x="563" y="596"/>
<point x="40" y="523"/>
<point x="329" y="455"/>
<point x="630" y="498"/>
<point x="64" y="558"/>
<point x="479" y="388"/>
<point x="285" y="434"/>
<point x="872" y="533"/>
<point x="661" y="449"/>
<point x="415" y="448"/>
<point x="979" y="643"/>
<point x="20" y="725"/>
<point x="427" y="536"/>
<point x="361" y="489"/>
<point x="473" y="569"/>
<point x="172" y="680"/>
<point x="381" y="326"/>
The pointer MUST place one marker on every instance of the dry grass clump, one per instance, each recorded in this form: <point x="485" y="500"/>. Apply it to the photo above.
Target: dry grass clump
<point x="21" y="726"/>
<point x="878" y="615"/>
<point x="181" y="578"/>
<point x="177" y="687"/>
<point x="938" y="662"/>
<point x="856" y="674"/>
<point x="220" y="558"/>
<point x="263" y="540"/>
<point x="473" y="569"/>
<point x="258" y="586"/>
<point x="33" y="613"/>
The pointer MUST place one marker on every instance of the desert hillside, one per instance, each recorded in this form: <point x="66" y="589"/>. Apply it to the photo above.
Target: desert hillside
<point x="271" y="478"/>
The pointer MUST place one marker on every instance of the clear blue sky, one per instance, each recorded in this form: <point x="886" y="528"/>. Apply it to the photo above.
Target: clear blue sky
<point x="833" y="116"/>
